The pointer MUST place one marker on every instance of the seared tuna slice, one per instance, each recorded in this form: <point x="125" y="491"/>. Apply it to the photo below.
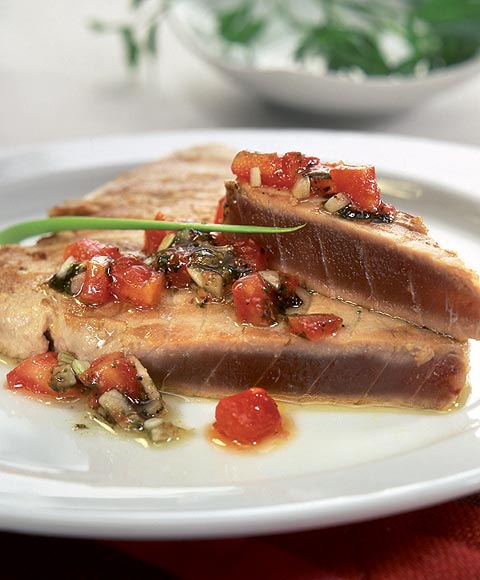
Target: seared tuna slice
<point x="393" y="268"/>
<point x="203" y="350"/>
<point x="194" y="350"/>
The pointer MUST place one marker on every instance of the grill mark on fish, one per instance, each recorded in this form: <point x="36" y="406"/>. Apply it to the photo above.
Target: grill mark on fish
<point x="198" y="331"/>
<point x="327" y="282"/>
<point x="232" y="346"/>
<point x="361" y="253"/>
<point x="212" y="372"/>
<point x="415" y="306"/>
<point x="383" y="371"/>
<point x="164" y="384"/>
<point x="424" y="381"/>
<point x="275" y="358"/>
<point x="312" y="386"/>
<point x="262" y="373"/>
<point x="272" y="219"/>
<point x="452" y="317"/>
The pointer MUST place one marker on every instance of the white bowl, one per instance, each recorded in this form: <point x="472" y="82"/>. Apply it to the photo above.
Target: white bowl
<point x="335" y="94"/>
<point x="317" y="92"/>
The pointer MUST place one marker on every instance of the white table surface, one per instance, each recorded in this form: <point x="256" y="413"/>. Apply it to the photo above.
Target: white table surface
<point x="60" y="81"/>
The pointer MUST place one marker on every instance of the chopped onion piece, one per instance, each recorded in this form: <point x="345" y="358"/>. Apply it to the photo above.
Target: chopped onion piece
<point x="167" y="241"/>
<point x="62" y="377"/>
<point x="272" y="277"/>
<point x="65" y="358"/>
<point x="211" y="282"/>
<point x="164" y="432"/>
<point x="301" y="188"/>
<point x="255" y="177"/>
<point x="120" y="410"/>
<point x="76" y="283"/>
<point x="79" y="366"/>
<point x="154" y="408"/>
<point x="65" y="268"/>
<point x="337" y="202"/>
<point x="148" y="385"/>
<point x="152" y="423"/>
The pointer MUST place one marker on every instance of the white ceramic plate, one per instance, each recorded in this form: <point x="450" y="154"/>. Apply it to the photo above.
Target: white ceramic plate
<point x="339" y="466"/>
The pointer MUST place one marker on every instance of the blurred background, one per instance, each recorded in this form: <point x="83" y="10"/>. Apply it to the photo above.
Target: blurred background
<point x="82" y="69"/>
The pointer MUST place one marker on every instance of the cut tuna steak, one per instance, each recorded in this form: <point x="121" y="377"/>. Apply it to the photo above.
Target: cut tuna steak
<point x="373" y="359"/>
<point x="393" y="268"/>
<point x="193" y="350"/>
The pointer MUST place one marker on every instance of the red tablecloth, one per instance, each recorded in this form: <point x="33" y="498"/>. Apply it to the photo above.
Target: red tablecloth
<point x="440" y="543"/>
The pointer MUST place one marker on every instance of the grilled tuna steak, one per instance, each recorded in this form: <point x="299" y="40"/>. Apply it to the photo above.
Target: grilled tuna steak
<point x="189" y="349"/>
<point x="394" y="268"/>
<point x="187" y="185"/>
<point x="193" y="350"/>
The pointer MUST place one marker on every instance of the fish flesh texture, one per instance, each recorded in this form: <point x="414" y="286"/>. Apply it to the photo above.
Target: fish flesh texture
<point x="394" y="268"/>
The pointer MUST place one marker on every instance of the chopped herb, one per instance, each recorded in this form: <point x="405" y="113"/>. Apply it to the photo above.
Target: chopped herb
<point x="349" y="212"/>
<point x="319" y="175"/>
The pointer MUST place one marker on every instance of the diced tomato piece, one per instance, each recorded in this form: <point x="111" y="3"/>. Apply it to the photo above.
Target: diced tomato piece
<point x="176" y="272"/>
<point x="275" y="171"/>
<point x="174" y="263"/>
<point x="179" y="279"/>
<point x="288" y="286"/>
<point x="245" y="161"/>
<point x="34" y="373"/>
<point x="248" y="417"/>
<point x="153" y="238"/>
<point x="294" y="164"/>
<point x="219" y="214"/>
<point x="254" y="300"/>
<point x="314" y="326"/>
<point x="85" y="249"/>
<point x="113" y="371"/>
<point x="251" y="253"/>
<point x="135" y="282"/>
<point x="388" y="209"/>
<point x="96" y="286"/>
<point x="359" y="183"/>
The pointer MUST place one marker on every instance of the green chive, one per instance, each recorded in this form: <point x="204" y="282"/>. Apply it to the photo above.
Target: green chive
<point x="28" y="229"/>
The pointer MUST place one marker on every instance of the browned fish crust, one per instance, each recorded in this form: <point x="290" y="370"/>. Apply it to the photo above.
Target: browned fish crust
<point x="186" y="184"/>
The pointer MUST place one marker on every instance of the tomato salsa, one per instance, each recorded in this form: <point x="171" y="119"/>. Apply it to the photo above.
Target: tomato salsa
<point x="307" y="176"/>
